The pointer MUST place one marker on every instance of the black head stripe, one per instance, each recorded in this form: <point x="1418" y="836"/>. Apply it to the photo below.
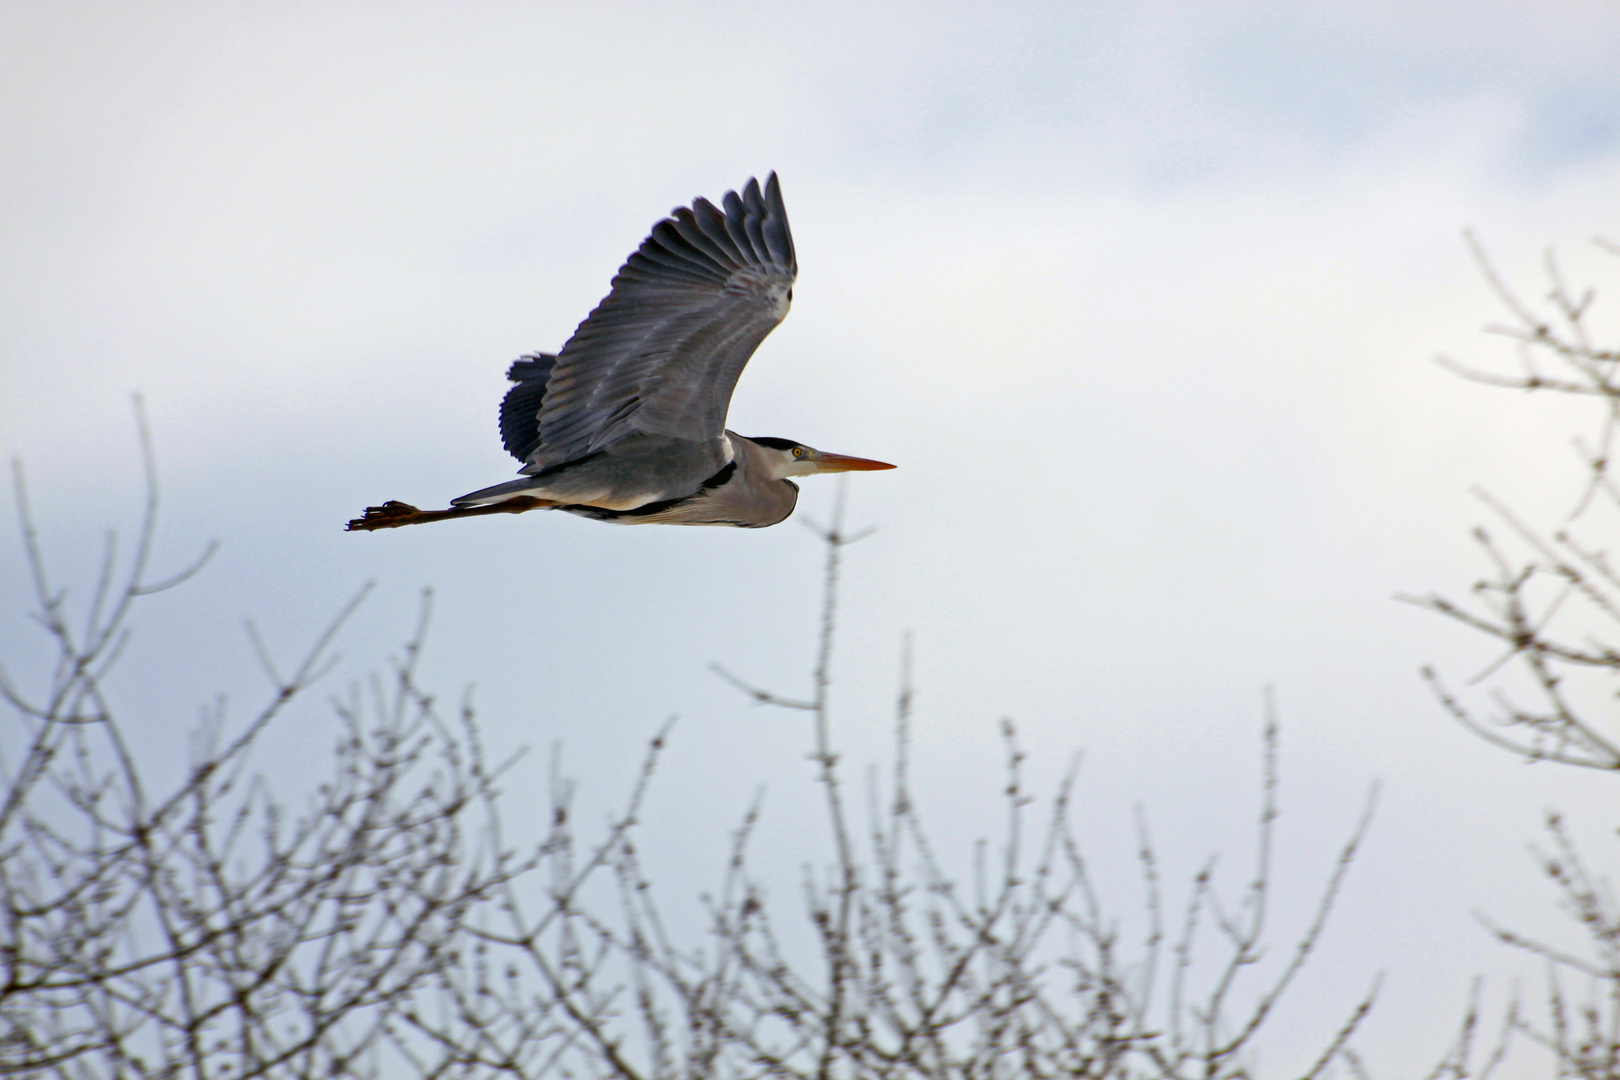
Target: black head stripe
<point x="773" y="442"/>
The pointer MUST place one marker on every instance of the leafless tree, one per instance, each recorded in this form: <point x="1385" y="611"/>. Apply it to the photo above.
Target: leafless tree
<point x="208" y="930"/>
<point x="1551" y="600"/>
<point x="1015" y="971"/>
<point x="384" y="926"/>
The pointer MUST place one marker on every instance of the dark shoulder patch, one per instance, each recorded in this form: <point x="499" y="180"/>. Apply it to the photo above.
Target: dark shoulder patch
<point x="720" y="477"/>
<point x="773" y="442"/>
<point x="520" y="409"/>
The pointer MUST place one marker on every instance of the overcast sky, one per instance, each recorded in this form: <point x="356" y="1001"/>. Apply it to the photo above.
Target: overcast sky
<point x="1142" y="299"/>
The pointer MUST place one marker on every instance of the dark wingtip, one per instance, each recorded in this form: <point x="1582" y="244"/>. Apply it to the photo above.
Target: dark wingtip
<point x="531" y="366"/>
<point x="519" y="416"/>
<point x="775" y="226"/>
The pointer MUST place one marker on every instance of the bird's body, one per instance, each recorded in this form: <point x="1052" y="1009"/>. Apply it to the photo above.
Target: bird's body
<point x="745" y="493"/>
<point x="627" y="422"/>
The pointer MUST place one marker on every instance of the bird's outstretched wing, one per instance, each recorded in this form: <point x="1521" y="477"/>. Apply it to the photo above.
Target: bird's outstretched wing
<point x="661" y="355"/>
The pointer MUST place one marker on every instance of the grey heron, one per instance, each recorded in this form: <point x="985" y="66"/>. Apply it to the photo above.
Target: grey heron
<point x="627" y="422"/>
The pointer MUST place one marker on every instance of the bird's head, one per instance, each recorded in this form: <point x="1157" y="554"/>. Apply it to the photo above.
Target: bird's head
<point x="786" y="458"/>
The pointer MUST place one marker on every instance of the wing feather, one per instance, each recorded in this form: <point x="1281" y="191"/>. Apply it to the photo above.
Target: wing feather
<point x="705" y="227"/>
<point x="661" y="354"/>
<point x="736" y="231"/>
<point x="753" y="219"/>
<point x="520" y="409"/>
<point x="666" y="247"/>
<point x="668" y="264"/>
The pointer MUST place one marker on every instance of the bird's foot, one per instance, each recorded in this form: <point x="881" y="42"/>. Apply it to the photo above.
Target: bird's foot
<point x="390" y="515"/>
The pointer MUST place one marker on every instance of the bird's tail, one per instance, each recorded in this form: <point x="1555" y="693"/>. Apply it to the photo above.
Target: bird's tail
<point x="502" y="493"/>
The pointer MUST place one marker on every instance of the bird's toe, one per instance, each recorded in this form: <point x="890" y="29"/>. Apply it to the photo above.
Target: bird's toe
<point x="389" y="515"/>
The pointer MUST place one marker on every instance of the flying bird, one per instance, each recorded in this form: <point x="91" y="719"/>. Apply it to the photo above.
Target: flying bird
<point x="627" y="423"/>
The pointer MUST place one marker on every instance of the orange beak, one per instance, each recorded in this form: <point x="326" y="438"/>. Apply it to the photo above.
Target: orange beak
<point x="841" y="463"/>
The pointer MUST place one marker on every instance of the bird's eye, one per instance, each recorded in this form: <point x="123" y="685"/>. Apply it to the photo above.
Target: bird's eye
<point x="798" y="451"/>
